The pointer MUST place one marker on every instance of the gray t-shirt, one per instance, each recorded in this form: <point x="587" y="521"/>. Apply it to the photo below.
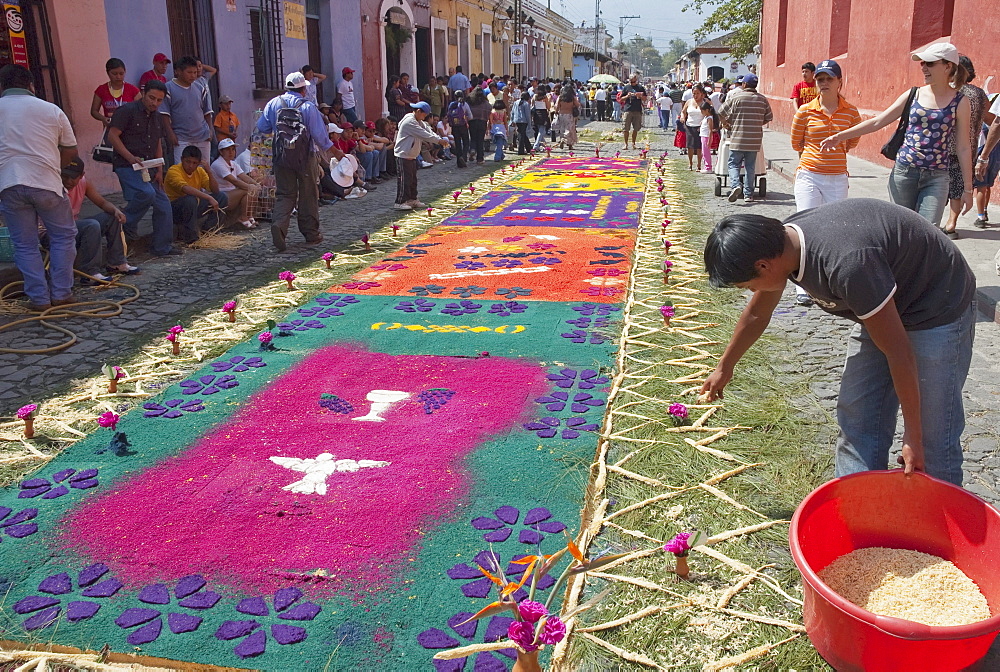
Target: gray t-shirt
<point x="187" y="108"/>
<point x="860" y="252"/>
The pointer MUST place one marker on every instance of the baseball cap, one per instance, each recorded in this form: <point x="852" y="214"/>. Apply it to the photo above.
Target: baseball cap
<point x="225" y="99"/>
<point x="228" y="142"/>
<point x="348" y="124"/>
<point x="73" y="169"/>
<point x="160" y="58"/>
<point x="739" y="80"/>
<point x="939" y="51"/>
<point x="370" y="124"/>
<point x="346" y="70"/>
<point x="295" y="80"/>
<point x="750" y="80"/>
<point x="333" y="128"/>
<point x="422" y="106"/>
<point x="831" y="68"/>
<point x="325" y="106"/>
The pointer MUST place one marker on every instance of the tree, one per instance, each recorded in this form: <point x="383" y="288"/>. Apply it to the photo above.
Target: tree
<point x="739" y="16"/>
<point x="676" y="48"/>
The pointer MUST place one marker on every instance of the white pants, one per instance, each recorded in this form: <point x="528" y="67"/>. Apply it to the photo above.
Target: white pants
<point x="815" y="189"/>
<point x="205" y="146"/>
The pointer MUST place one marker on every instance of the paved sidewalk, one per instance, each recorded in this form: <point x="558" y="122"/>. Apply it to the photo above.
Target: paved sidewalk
<point x="870" y="180"/>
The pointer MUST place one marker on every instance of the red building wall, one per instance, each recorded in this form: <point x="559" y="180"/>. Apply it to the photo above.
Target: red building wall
<point x="872" y="42"/>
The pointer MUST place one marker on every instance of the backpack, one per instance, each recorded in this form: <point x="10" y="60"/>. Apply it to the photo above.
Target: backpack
<point x="457" y="115"/>
<point x="292" y="140"/>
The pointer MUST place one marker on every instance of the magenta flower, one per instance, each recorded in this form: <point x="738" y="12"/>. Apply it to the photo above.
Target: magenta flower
<point x="531" y="612"/>
<point x="677" y="410"/>
<point x="667" y="264"/>
<point x="265" y="337"/>
<point x="455" y="195"/>
<point x="328" y="256"/>
<point x="229" y="306"/>
<point x="553" y="631"/>
<point x="678" y="545"/>
<point x="523" y="634"/>
<point x="26" y="412"/>
<point x="108" y="419"/>
<point x="116" y="373"/>
<point x="287" y="276"/>
<point x="668" y="311"/>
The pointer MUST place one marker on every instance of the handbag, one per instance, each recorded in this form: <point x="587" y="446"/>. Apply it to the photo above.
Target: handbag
<point x="103" y="152"/>
<point x="891" y="149"/>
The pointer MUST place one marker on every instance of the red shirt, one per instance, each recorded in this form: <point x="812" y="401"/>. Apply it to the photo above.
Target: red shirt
<point x="110" y="103"/>
<point x="804" y="92"/>
<point x="151" y="74"/>
<point x="345" y="145"/>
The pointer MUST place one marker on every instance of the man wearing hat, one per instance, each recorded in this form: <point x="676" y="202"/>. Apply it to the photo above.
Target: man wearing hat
<point x="227" y="124"/>
<point x="744" y="114"/>
<point x="160" y="63"/>
<point x="296" y="188"/>
<point x="345" y="89"/>
<point x="411" y="133"/>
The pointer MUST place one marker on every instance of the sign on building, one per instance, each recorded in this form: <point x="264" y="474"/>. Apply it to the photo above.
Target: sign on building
<point x="15" y="28"/>
<point x="295" y="20"/>
<point x="518" y="54"/>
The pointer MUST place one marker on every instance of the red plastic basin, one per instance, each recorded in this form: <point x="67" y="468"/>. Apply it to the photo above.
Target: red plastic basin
<point x="889" y="509"/>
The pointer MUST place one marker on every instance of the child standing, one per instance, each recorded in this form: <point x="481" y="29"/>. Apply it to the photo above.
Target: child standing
<point x="498" y="128"/>
<point x="708" y="126"/>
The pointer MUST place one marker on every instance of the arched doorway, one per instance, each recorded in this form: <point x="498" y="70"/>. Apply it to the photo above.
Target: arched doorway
<point x="716" y="73"/>
<point x="398" y="43"/>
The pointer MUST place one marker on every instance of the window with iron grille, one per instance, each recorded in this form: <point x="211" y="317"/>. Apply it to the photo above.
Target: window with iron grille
<point x="266" y="27"/>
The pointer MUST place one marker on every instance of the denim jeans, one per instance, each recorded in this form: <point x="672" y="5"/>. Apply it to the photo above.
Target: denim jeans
<point x="868" y="405"/>
<point x="190" y="212"/>
<point x="22" y="207"/>
<point x="664" y="118"/>
<point x="748" y="159"/>
<point x="500" y="141"/>
<point x="368" y="161"/>
<point x="90" y="231"/>
<point x="922" y="190"/>
<point x="140" y="196"/>
<point x="351" y="114"/>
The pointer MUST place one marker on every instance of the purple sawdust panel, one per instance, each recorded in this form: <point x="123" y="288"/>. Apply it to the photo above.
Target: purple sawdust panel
<point x="574" y="209"/>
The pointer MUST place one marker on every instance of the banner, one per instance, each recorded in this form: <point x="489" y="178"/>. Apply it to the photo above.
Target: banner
<point x="295" y="20"/>
<point x="518" y="53"/>
<point x="15" y="27"/>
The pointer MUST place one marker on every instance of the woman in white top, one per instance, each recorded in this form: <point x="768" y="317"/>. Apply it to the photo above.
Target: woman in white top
<point x="692" y="116"/>
<point x="235" y="183"/>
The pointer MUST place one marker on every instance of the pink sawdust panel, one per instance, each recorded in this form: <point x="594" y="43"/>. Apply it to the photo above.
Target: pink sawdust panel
<point x="238" y="508"/>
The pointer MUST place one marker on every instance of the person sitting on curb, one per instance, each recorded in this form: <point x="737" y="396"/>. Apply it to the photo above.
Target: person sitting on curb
<point x="912" y="295"/>
<point x="235" y="183"/>
<point x="194" y="194"/>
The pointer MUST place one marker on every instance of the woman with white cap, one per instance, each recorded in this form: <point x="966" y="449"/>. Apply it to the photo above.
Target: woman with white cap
<point x="936" y="111"/>
<point x="235" y="184"/>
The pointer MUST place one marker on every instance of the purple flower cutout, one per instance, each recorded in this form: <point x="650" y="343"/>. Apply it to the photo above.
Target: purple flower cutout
<point x="507" y="263"/>
<point x="58" y="593"/>
<point x="470" y="265"/>
<point x="41" y="487"/>
<point x="499" y="528"/>
<point x="189" y="595"/>
<point x="587" y="379"/>
<point x="596" y="308"/>
<point x="16" y="526"/>
<point x="513" y="239"/>
<point x="546" y="428"/>
<point x="513" y="292"/>
<point x="209" y="384"/>
<point x="301" y="325"/>
<point x="461" y="308"/>
<point x="415" y="306"/>
<point x="581" y="402"/>
<point x="238" y="364"/>
<point x="466" y="292"/>
<point x="252" y="633"/>
<point x="172" y="408"/>
<point x="495" y="630"/>
<point x="337" y="300"/>
<point x="545" y="261"/>
<point x="601" y="291"/>
<point x="490" y="561"/>
<point x="542" y="246"/>
<point x="585" y="322"/>
<point x="320" y="313"/>
<point x="332" y="402"/>
<point x="424" y="290"/>
<point x="507" y="308"/>
<point x="580" y="336"/>
<point x="361" y="286"/>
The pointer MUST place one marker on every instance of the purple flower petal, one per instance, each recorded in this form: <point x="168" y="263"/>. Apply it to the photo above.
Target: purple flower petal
<point x="534" y="426"/>
<point x="497" y="628"/>
<point x="89" y="575"/>
<point x="32" y="483"/>
<point x="306" y="611"/>
<point x="60" y="476"/>
<point x="498" y="536"/>
<point x="20" y="517"/>
<point x="105" y="588"/>
<point x="81" y="611"/>
<point x="530" y="537"/>
<point x="545" y="582"/>
<point x="83" y="485"/>
<point x="480" y="588"/>
<point x="507" y="514"/>
<point x="551" y="422"/>
<point x="179" y="623"/>
<point x="570" y="434"/>
<point x="552" y="527"/>
<point x="4" y="512"/>
<point x="286" y="597"/>
<point x="205" y="600"/>
<point x="21" y="531"/>
<point x="135" y="616"/>
<point x="288" y="634"/>
<point x="482" y="523"/>
<point x="537" y="515"/>
<point x="57" y="584"/>
<point x="254" y="645"/>
<point x="434" y="638"/>
<point x="488" y="560"/>
<point x="467" y="630"/>
<point x="28" y="493"/>
<point x="463" y="571"/>
<point x="146" y="634"/>
<point x="254" y="606"/>
<point x="57" y="492"/>
<point x="189" y="584"/>
<point x="485" y="662"/>
<point x="42" y="619"/>
<point x="546" y="433"/>
<point x="34" y="603"/>
<point x="233" y="629"/>
<point x="155" y="594"/>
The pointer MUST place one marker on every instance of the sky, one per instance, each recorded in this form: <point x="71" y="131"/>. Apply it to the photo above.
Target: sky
<point x="662" y="20"/>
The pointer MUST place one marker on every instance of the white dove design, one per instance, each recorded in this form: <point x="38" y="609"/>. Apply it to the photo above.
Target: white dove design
<point x="319" y="469"/>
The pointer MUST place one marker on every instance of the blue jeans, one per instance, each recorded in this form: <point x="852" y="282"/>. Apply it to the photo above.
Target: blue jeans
<point x="868" y="405"/>
<point x="351" y="114"/>
<point x="141" y="196"/>
<point x="664" y="118"/>
<point x="748" y="160"/>
<point x="500" y="141"/>
<point x="922" y="190"/>
<point x="368" y="161"/>
<point x="22" y="208"/>
<point x="190" y="211"/>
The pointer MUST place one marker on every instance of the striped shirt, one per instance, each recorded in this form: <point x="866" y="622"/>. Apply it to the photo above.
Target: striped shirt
<point x="812" y="125"/>
<point x="744" y="113"/>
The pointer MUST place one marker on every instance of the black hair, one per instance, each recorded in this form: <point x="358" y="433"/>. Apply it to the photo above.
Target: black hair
<point x="737" y="243"/>
<point x="403" y="74"/>
<point x="809" y="65"/>
<point x="499" y="105"/>
<point x="458" y="68"/>
<point x="114" y="63"/>
<point x="526" y="96"/>
<point x="966" y="63"/>
<point x="185" y="62"/>
<point x="15" y="77"/>
<point x="306" y="68"/>
<point x="191" y="152"/>
<point x="154" y="85"/>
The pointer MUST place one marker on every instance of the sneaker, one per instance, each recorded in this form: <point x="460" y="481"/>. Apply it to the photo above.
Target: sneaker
<point x="128" y="270"/>
<point x="368" y="186"/>
<point x="735" y="194"/>
<point x="748" y="199"/>
<point x="980" y="222"/>
<point x="803" y="299"/>
<point x="402" y="206"/>
<point x="95" y="279"/>
<point x="417" y="203"/>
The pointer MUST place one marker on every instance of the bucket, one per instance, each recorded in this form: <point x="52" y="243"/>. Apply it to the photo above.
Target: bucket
<point x="889" y="509"/>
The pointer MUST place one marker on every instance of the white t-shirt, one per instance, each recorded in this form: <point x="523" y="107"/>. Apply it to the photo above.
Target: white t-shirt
<point x="31" y="133"/>
<point x="311" y="91"/>
<point x="716" y="99"/>
<point x="664" y="102"/>
<point x="243" y="160"/>
<point x="601" y="95"/>
<point x="688" y="95"/>
<point x="346" y="91"/>
<point x="222" y="170"/>
<point x="706" y="130"/>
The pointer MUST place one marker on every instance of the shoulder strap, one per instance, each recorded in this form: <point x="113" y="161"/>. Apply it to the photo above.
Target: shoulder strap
<point x="904" y="118"/>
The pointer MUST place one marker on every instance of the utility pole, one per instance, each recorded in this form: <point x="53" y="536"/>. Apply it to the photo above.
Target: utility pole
<point x="622" y="24"/>
<point x="597" y="31"/>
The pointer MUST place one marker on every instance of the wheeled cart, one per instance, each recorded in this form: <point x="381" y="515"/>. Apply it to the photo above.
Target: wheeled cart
<point x="722" y="169"/>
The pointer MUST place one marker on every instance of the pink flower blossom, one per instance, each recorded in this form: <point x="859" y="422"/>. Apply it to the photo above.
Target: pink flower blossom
<point x="26" y="412"/>
<point x="287" y="276"/>
<point x="119" y="372"/>
<point x="678" y="545"/>
<point x="176" y="329"/>
<point x="523" y="634"/>
<point x="553" y="631"/>
<point x="667" y="265"/>
<point x="328" y="256"/>
<point x="229" y="306"/>
<point x="265" y="337"/>
<point x="456" y="194"/>
<point x="108" y="419"/>
<point x="668" y="311"/>
<point x="531" y="611"/>
<point x="678" y="410"/>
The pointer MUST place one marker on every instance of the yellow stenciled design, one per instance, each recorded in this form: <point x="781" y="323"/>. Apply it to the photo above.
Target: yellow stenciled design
<point x="500" y="208"/>
<point x="448" y="328"/>
<point x="602" y="207"/>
